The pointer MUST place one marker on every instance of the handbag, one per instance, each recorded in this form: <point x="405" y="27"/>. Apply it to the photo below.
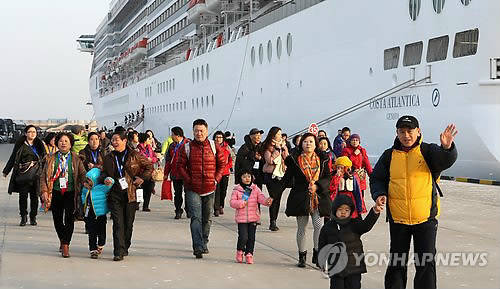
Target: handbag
<point x="158" y="174"/>
<point x="166" y="190"/>
<point x="27" y="172"/>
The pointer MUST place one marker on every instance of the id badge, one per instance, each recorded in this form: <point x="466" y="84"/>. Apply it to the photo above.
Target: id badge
<point x="139" y="193"/>
<point x="62" y="183"/>
<point x="256" y="165"/>
<point x="123" y="183"/>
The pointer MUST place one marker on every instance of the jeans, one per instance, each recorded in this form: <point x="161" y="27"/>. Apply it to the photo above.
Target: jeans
<point x="246" y="237"/>
<point x="23" y="204"/>
<point x="63" y="214"/>
<point x="200" y="209"/>
<point x="424" y="246"/>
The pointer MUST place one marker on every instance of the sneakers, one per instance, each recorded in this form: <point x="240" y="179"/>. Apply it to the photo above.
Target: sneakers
<point x="94" y="254"/>
<point x="239" y="256"/>
<point x="249" y="258"/>
<point x="99" y="250"/>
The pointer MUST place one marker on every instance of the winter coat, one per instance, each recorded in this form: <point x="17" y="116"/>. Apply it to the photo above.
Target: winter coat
<point x="409" y="180"/>
<point x="136" y="165"/>
<point x="269" y="157"/>
<point x="298" y="202"/>
<point x="352" y="189"/>
<point x="147" y="151"/>
<point x="48" y="173"/>
<point x="171" y="158"/>
<point x="245" y="160"/>
<point x="250" y="213"/>
<point x="87" y="158"/>
<point x="80" y="143"/>
<point x="21" y="154"/>
<point x="203" y="168"/>
<point x="97" y="195"/>
<point x="349" y="234"/>
<point x="338" y="145"/>
<point x="226" y="150"/>
<point x="359" y="161"/>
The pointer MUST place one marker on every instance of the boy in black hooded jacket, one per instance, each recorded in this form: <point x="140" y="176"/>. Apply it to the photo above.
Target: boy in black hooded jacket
<point x="345" y="232"/>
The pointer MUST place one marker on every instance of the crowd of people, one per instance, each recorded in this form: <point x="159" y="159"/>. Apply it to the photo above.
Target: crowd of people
<point x="82" y="176"/>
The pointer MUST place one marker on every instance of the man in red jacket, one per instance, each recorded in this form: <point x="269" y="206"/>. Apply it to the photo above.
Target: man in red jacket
<point x="200" y="164"/>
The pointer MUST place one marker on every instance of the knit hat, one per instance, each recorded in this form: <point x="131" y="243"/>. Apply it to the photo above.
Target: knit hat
<point x="341" y="199"/>
<point x="353" y="136"/>
<point x="343" y="161"/>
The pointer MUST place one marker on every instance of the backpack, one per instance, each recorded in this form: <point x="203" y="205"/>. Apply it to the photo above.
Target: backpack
<point x="187" y="148"/>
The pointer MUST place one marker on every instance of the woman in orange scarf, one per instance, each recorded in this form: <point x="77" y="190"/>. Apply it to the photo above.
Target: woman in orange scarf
<point x="309" y="196"/>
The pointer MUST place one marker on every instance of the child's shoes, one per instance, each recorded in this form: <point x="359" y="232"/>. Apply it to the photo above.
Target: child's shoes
<point x="249" y="258"/>
<point x="239" y="256"/>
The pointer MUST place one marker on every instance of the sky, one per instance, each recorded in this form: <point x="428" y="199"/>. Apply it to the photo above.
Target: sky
<point x="42" y="74"/>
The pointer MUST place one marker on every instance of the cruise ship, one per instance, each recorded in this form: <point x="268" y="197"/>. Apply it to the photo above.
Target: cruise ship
<point x="258" y="63"/>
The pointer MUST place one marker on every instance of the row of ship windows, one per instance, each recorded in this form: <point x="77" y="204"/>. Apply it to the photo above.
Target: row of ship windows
<point x="166" y="14"/>
<point x="196" y="103"/>
<point x="168" y="33"/>
<point x="204" y="73"/>
<point x="466" y="44"/>
<point x="166" y="86"/>
<point x="270" y="49"/>
<point x="414" y="6"/>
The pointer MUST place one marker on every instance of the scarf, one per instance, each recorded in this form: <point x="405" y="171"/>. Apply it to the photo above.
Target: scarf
<point x="310" y="166"/>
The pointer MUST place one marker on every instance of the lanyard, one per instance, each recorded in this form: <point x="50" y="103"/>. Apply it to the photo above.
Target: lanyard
<point x="120" y="167"/>
<point x="66" y="161"/>
<point x="34" y="151"/>
<point x="177" y="146"/>
<point x="95" y="156"/>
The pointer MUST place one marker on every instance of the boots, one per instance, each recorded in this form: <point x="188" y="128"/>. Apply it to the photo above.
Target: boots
<point x="302" y="259"/>
<point x="24" y="220"/>
<point x="272" y="226"/>
<point x="315" y="258"/>
<point x="65" y="251"/>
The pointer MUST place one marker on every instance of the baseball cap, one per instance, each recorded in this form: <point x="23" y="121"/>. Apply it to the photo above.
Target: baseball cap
<point x="255" y="131"/>
<point x="407" y="121"/>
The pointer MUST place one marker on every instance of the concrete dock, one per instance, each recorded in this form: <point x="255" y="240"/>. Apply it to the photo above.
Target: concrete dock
<point x="161" y="255"/>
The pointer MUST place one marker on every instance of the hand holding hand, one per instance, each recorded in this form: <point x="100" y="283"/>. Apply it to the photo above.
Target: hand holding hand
<point x="378" y="209"/>
<point x="448" y="135"/>
<point x="5" y="175"/>
<point x="108" y="182"/>
<point x="269" y="201"/>
<point x="138" y="181"/>
<point x="91" y="165"/>
<point x="381" y="200"/>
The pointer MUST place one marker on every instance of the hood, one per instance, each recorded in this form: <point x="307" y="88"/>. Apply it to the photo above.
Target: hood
<point x="94" y="175"/>
<point x="340" y="200"/>
<point x="247" y="140"/>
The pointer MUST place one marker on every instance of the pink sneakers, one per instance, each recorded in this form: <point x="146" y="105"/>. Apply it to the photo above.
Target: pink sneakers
<point x="249" y="258"/>
<point x="239" y="256"/>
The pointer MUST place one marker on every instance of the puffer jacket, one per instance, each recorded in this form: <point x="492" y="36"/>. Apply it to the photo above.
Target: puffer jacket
<point x="80" y="143"/>
<point x="202" y="169"/>
<point x="226" y="150"/>
<point x="97" y="195"/>
<point x="136" y="165"/>
<point x="250" y="213"/>
<point x="359" y="161"/>
<point x="47" y="182"/>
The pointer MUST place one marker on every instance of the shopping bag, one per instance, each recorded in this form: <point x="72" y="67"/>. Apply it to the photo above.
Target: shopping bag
<point x="166" y="190"/>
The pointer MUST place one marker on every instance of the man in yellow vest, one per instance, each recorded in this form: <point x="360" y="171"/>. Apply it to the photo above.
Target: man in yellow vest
<point x="405" y="178"/>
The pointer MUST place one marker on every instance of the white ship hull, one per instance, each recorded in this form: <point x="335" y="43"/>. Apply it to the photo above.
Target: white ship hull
<point x="337" y="60"/>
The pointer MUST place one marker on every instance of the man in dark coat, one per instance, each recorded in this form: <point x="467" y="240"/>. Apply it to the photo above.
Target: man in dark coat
<point x="249" y="158"/>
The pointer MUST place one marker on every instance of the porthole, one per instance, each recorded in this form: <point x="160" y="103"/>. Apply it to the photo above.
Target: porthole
<point x="252" y="56"/>
<point x="208" y="72"/>
<point x="414" y="9"/>
<point x="173" y="84"/>
<point x="212" y="100"/>
<point x="269" y="50"/>
<point x="197" y="74"/>
<point x="438" y="5"/>
<point x="170" y="84"/>
<point x="202" y="72"/>
<point x="261" y="53"/>
<point x="278" y="47"/>
<point x="193" y="75"/>
<point x="207" y="101"/>
<point x="466" y="2"/>
<point x="289" y="44"/>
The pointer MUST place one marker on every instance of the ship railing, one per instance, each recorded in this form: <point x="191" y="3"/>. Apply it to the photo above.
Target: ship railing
<point x="367" y="102"/>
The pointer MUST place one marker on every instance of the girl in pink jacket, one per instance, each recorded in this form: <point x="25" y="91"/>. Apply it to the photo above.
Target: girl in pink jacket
<point x="245" y="199"/>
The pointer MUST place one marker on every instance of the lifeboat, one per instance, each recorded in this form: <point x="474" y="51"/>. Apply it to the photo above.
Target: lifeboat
<point x="197" y="8"/>
<point x="213" y="5"/>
